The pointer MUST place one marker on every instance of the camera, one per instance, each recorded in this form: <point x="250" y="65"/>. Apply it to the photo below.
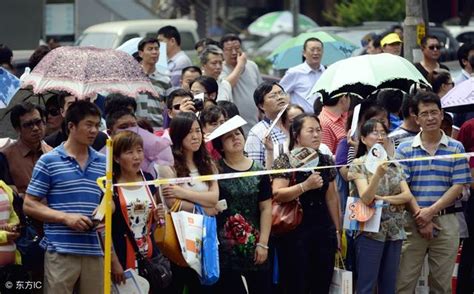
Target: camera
<point x="199" y="102"/>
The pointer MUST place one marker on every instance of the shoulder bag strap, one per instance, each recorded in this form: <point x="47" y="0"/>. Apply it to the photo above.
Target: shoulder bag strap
<point x="130" y="235"/>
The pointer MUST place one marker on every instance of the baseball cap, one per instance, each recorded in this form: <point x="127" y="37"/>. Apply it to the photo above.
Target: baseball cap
<point x="390" y="39"/>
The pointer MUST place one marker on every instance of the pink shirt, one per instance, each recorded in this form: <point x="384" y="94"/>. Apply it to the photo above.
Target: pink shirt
<point x="333" y="128"/>
<point x="466" y="133"/>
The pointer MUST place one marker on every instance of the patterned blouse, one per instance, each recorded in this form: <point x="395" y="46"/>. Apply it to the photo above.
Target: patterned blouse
<point x="392" y="221"/>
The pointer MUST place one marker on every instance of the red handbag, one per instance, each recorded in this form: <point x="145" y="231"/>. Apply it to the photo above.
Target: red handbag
<point x="286" y="216"/>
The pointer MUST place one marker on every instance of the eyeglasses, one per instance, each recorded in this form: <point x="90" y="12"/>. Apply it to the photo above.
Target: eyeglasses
<point x="427" y="114"/>
<point x="32" y="123"/>
<point x="52" y="112"/>
<point x="379" y="134"/>
<point x="176" y="106"/>
<point x="277" y="95"/>
<point x="433" y="47"/>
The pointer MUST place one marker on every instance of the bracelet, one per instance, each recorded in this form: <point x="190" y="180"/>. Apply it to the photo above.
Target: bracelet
<point x="302" y="188"/>
<point x="263" y="246"/>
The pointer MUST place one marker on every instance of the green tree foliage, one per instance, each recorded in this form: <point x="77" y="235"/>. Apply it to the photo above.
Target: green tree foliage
<point x="354" y="12"/>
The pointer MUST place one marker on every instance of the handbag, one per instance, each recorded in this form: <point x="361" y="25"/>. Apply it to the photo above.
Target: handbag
<point x="29" y="245"/>
<point x="166" y="239"/>
<point x="341" y="279"/>
<point x="156" y="271"/>
<point x="209" y="249"/>
<point x="189" y="230"/>
<point x="286" y="216"/>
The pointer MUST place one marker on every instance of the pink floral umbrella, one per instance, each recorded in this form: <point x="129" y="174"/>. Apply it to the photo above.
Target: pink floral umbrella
<point x="86" y="71"/>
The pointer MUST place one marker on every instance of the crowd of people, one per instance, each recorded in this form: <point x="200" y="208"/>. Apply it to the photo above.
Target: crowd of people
<point x="49" y="190"/>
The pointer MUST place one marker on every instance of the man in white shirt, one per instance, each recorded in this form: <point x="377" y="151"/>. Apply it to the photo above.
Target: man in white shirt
<point x="247" y="82"/>
<point x="299" y="80"/>
<point x="177" y="59"/>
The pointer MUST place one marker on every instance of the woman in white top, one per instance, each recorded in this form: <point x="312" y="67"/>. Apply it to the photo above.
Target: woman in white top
<point x="190" y="159"/>
<point x="135" y="208"/>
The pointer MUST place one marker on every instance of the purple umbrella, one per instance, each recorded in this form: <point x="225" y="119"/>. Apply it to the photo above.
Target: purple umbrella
<point x="157" y="150"/>
<point x="86" y="71"/>
<point x="460" y="98"/>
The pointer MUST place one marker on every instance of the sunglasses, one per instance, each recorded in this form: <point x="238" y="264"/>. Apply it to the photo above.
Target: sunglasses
<point x="52" y="112"/>
<point x="433" y="47"/>
<point x="30" y="124"/>
<point x="176" y="106"/>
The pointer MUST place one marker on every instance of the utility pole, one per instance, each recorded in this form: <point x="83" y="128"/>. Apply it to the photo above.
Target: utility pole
<point x="295" y="10"/>
<point x="413" y="27"/>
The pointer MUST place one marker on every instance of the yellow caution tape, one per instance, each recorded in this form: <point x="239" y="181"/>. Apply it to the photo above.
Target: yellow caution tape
<point x="217" y="177"/>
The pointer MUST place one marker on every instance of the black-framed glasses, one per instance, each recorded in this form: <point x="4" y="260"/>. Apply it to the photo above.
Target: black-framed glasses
<point x="433" y="47"/>
<point x="32" y="123"/>
<point x="427" y="114"/>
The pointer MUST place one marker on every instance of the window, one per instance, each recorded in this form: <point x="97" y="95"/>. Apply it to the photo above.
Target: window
<point x="128" y="37"/>
<point x="99" y="40"/>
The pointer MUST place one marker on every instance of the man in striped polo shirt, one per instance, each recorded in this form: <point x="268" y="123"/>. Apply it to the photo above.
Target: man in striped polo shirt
<point x="66" y="179"/>
<point x="432" y="225"/>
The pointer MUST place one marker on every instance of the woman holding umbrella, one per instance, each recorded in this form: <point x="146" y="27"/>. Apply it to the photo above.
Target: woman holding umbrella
<point x="306" y="254"/>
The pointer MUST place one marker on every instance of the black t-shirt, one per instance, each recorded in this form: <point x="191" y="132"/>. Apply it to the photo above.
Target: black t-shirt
<point x="315" y="210"/>
<point x="424" y="72"/>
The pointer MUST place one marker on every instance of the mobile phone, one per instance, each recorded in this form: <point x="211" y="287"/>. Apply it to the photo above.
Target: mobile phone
<point x="95" y="223"/>
<point x="221" y="205"/>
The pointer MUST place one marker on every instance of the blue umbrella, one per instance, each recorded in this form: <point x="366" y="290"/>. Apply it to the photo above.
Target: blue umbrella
<point x="290" y="53"/>
<point x="9" y="85"/>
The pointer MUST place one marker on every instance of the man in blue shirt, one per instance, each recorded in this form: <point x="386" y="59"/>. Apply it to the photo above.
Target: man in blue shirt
<point x="432" y="225"/>
<point x="66" y="179"/>
<point x="299" y="80"/>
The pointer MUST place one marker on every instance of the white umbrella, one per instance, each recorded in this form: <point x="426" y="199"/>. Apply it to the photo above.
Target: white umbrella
<point x="460" y="98"/>
<point x="362" y="74"/>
